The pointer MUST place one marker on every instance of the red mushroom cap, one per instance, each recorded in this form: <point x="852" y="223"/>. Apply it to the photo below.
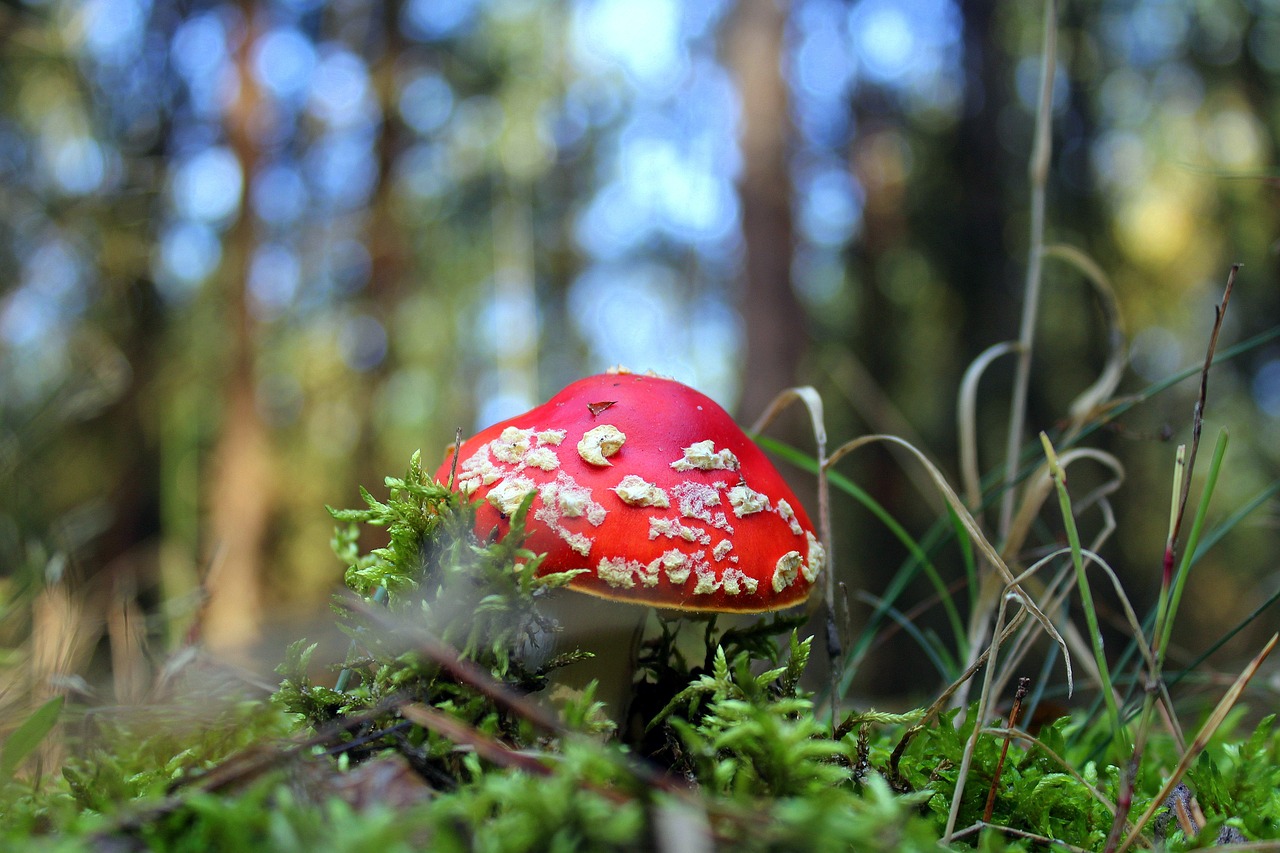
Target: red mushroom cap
<point x="651" y="487"/>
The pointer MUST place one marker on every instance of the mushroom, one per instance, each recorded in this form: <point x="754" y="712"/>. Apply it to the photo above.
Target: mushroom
<point x="651" y="488"/>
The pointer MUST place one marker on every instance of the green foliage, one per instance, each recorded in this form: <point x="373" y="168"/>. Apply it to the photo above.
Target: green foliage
<point x="270" y="816"/>
<point x="1236" y="783"/>
<point x="445" y="679"/>
<point x="24" y="739"/>
<point x="753" y="734"/>
<point x="574" y="808"/>
<point x="139" y="756"/>
<point x="1035" y="793"/>
<point x="477" y="597"/>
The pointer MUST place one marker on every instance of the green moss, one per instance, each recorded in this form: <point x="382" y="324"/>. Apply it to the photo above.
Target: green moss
<point x="442" y="735"/>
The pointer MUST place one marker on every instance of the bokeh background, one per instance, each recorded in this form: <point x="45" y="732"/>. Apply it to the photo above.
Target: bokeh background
<point x="256" y="253"/>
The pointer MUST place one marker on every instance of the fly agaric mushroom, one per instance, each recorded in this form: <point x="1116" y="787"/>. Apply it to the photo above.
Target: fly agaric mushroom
<point x="651" y="488"/>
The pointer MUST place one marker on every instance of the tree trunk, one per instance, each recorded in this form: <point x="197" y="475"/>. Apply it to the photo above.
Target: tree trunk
<point x="240" y="490"/>
<point x="775" y="326"/>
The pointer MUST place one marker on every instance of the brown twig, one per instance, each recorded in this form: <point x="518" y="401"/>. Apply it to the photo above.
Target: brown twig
<point x="459" y="669"/>
<point x="1197" y="415"/>
<point x="482" y="681"/>
<point x="489" y="748"/>
<point x="945" y="698"/>
<point x="1018" y="696"/>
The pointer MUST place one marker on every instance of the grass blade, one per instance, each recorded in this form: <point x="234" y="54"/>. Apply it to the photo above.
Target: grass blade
<point x="27" y="737"/>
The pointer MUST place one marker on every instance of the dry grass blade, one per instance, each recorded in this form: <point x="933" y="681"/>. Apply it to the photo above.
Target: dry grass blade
<point x="1043" y="840"/>
<point x="1170" y="591"/>
<point x="984" y="703"/>
<point x="967" y="420"/>
<point x="972" y="527"/>
<point x="1000" y="633"/>
<point x="1035" y="493"/>
<point x="944" y="699"/>
<point x="463" y="671"/>
<point x="1038" y="172"/>
<point x="1040" y="486"/>
<point x="1073" y="636"/>
<point x="812" y="401"/>
<point x="482" y="681"/>
<point x="1206" y="732"/>
<point x="1093" y="398"/>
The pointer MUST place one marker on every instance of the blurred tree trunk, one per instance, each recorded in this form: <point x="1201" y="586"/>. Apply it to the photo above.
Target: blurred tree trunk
<point x="240" y="494"/>
<point x="776" y="335"/>
<point x="988" y="273"/>
<point x="959" y="225"/>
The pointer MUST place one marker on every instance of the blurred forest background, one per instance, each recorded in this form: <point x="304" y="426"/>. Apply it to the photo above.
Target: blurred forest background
<point x="258" y="252"/>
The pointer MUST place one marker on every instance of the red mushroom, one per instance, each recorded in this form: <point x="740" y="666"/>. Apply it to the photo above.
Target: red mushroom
<point x="653" y="489"/>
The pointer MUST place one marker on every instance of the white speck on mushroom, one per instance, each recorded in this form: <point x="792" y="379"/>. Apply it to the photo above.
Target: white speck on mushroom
<point x="572" y="500"/>
<point x="480" y="467"/>
<point x="636" y="491"/>
<point x="542" y="457"/>
<point x="600" y="442"/>
<point x="703" y="456"/>
<point x="746" y="500"/>
<point x="663" y="527"/>
<point x="784" y="573"/>
<point x="572" y="503"/>
<point x="615" y="573"/>
<point x="579" y="543"/>
<point x="551" y="436"/>
<point x="512" y="445"/>
<point x="789" y="516"/>
<point x="694" y="498"/>
<point x="676" y="564"/>
<point x="508" y="495"/>
<point x="549" y="514"/>
<point x="621" y="572"/>
<point x="817" y="559"/>
<point x="734" y="581"/>
<point x="722" y="549"/>
<point x="673" y="529"/>
<point x="707" y="580"/>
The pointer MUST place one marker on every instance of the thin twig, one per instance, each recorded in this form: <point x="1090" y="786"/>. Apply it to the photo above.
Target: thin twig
<point x="487" y="747"/>
<point x="1197" y="415"/>
<point x="1018" y="696"/>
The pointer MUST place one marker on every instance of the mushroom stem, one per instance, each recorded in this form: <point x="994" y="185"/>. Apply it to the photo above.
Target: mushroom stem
<point x="611" y="631"/>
